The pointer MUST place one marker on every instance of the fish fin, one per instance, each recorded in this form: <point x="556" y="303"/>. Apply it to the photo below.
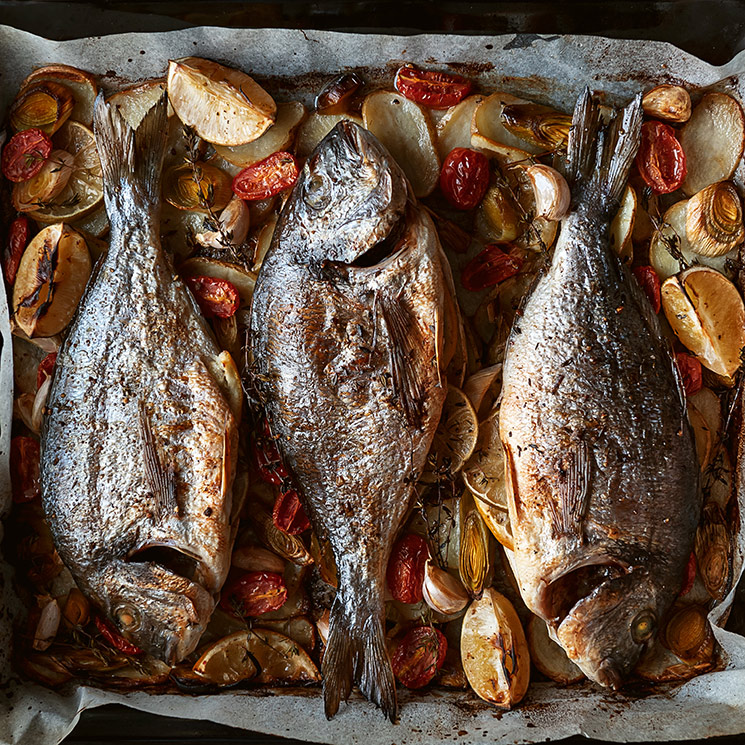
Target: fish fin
<point x="356" y="653"/>
<point x="404" y="344"/>
<point x="159" y="479"/>
<point x="573" y="489"/>
<point x="131" y="160"/>
<point x="599" y="160"/>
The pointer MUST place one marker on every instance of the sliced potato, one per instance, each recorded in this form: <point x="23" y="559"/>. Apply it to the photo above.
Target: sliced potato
<point x="51" y="278"/>
<point x="316" y="127"/>
<point x="223" y="105"/>
<point x="504" y="154"/>
<point x="706" y="313"/>
<point x="243" y="279"/>
<point x="279" y="136"/>
<point x="406" y="129"/>
<point x="487" y="122"/>
<point x="454" y="129"/>
<point x="673" y="232"/>
<point x="454" y="439"/>
<point x="228" y="661"/>
<point x="134" y="102"/>
<point x="712" y="140"/>
<point x="702" y="435"/>
<point x="81" y="83"/>
<point x="83" y="192"/>
<point x="622" y="227"/>
<point x="549" y="657"/>
<point x="494" y="650"/>
<point x="710" y="407"/>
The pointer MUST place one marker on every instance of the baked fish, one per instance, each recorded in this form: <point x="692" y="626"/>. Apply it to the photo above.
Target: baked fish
<point x="600" y="457"/>
<point x="345" y="338"/>
<point x="139" y="444"/>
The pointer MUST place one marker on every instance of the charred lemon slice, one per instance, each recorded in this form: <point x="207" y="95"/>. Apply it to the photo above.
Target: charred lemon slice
<point x="228" y="661"/>
<point x="83" y="192"/>
<point x="455" y="438"/>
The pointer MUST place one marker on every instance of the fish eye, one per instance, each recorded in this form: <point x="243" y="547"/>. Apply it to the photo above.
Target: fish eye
<point x="643" y="626"/>
<point x="315" y="194"/>
<point x="129" y="618"/>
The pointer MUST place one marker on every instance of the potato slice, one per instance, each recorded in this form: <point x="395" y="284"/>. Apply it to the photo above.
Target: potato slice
<point x="135" y="101"/>
<point x="81" y="83"/>
<point x="454" y="439"/>
<point x="674" y="231"/>
<point x="454" y="129"/>
<point x="279" y="136"/>
<point x="710" y="407"/>
<point x="702" y="434"/>
<point x="223" y="105"/>
<point x="622" y="226"/>
<point x="316" y="127"/>
<point x="406" y="129"/>
<point x="549" y="657"/>
<point x="46" y="304"/>
<point x="706" y="313"/>
<point x="487" y="122"/>
<point x="712" y="140"/>
<point x="243" y="279"/>
<point x="494" y="650"/>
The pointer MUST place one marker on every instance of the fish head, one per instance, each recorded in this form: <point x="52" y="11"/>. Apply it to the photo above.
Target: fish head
<point x="155" y="608"/>
<point x="605" y="632"/>
<point x="350" y="196"/>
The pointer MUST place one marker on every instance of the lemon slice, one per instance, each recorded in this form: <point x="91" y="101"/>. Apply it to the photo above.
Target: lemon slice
<point x="228" y="661"/>
<point x="84" y="191"/>
<point x="454" y="440"/>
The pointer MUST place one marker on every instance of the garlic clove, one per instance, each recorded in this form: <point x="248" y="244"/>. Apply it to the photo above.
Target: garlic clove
<point x="322" y="625"/>
<point x="442" y="591"/>
<point x="257" y="559"/>
<point x="714" y="222"/>
<point x="40" y="403"/>
<point x="234" y="222"/>
<point x="48" y="625"/>
<point x="552" y="195"/>
<point x="669" y="102"/>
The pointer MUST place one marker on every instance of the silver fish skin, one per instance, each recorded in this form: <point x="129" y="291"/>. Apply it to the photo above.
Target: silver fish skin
<point x="345" y="338"/>
<point x="139" y="444"/>
<point x="600" y="458"/>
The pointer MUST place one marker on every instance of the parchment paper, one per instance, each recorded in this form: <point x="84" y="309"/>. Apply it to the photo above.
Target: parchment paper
<point x="548" y="69"/>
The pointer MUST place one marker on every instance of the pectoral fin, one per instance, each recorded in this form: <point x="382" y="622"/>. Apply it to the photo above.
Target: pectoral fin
<point x="159" y="478"/>
<point x="573" y="489"/>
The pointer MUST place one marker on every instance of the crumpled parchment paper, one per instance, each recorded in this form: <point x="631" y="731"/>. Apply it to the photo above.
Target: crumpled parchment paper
<point x="547" y="69"/>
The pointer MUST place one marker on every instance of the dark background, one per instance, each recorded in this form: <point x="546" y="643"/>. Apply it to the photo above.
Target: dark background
<point x="713" y="30"/>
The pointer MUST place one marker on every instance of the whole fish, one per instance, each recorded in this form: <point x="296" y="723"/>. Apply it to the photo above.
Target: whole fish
<point x="600" y="457"/>
<point x="139" y="445"/>
<point x="345" y="338"/>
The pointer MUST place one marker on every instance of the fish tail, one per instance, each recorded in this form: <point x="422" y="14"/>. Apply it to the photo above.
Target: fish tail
<point x="131" y="160"/>
<point x="356" y="653"/>
<point x="599" y="159"/>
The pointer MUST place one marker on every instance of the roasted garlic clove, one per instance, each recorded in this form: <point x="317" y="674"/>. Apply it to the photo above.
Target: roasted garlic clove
<point x="77" y="608"/>
<point x="552" y="195"/>
<point x="45" y="106"/>
<point x="234" y="221"/>
<point x="199" y="187"/>
<point x="714" y="224"/>
<point x="541" y="125"/>
<point x="48" y="624"/>
<point x="442" y="592"/>
<point x="669" y="102"/>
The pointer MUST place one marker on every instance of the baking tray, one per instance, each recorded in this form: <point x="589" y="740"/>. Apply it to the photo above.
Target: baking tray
<point x="696" y="27"/>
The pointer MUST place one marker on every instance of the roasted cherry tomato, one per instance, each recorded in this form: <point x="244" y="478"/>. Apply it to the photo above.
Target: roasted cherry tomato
<point x="419" y="656"/>
<point x="115" y="639"/>
<point x="690" y="371"/>
<point x="689" y="575"/>
<point x="405" y="572"/>
<point x="217" y="298"/>
<point x="288" y="513"/>
<point x="24" y="469"/>
<point x="18" y="237"/>
<point x="25" y="154"/>
<point x="254" y="593"/>
<point x="46" y="367"/>
<point x="464" y="178"/>
<point x="268" y="462"/>
<point x="661" y="160"/>
<point x="647" y="277"/>
<point x="334" y="96"/>
<point x="267" y="178"/>
<point x="438" y="90"/>
<point x="488" y="268"/>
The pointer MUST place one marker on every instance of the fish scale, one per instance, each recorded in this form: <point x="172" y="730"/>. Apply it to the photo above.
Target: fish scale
<point x="139" y="443"/>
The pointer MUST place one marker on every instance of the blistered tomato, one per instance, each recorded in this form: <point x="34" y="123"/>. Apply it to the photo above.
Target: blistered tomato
<point x="217" y="298"/>
<point x="405" y="573"/>
<point x="18" y="238"/>
<point x="647" y="277"/>
<point x="691" y="372"/>
<point x="268" y="462"/>
<point x="661" y="160"/>
<point x="288" y="513"/>
<point x="46" y="368"/>
<point x="267" y="178"/>
<point x="464" y="178"/>
<point x="115" y="639"/>
<point x="24" y="469"/>
<point x="438" y="90"/>
<point x="488" y="268"/>
<point x="254" y="593"/>
<point x="419" y="656"/>
<point x="25" y="154"/>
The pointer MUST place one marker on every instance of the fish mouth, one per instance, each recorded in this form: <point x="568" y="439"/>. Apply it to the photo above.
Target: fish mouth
<point x="563" y="594"/>
<point x="181" y="561"/>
